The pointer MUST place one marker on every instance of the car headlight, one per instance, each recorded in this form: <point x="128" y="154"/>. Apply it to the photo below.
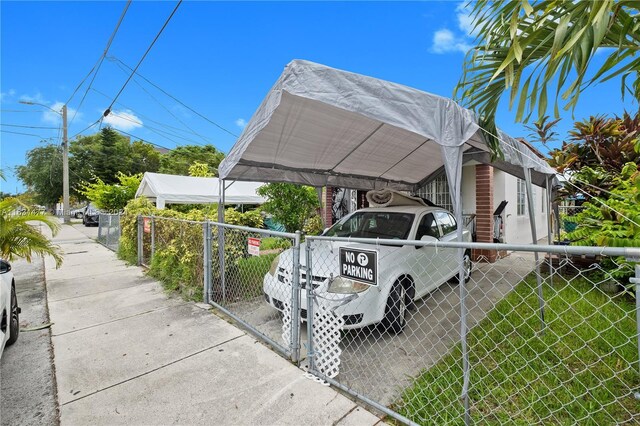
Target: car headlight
<point x="346" y="286"/>
<point x="274" y="266"/>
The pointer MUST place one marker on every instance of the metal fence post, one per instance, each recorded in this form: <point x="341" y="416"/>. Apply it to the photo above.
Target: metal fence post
<point x="636" y="281"/>
<point x="221" y="263"/>
<point x="309" y="273"/>
<point x="153" y="236"/>
<point x="295" y="301"/>
<point x="140" y="245"/>
<point x="100" y="227"/>
<point x="206" y="229"/>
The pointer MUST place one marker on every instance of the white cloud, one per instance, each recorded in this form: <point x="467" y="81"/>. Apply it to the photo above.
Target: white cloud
<point x="124" y="120"/>
<point x="465" y="21"/>
<point x="444" y="41"/>
<point x="37" y="98"/>
<point x="52" y="116"/>
<point x="241" y="122"/>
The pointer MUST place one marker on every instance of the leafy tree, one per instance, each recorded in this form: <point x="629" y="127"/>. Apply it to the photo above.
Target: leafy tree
<point x="525" y="47"/>
<point x="289" y="204"/>
<point x="19" y="239"/>
<point x="43" y="174"/>
<point x="199" y="169"/>
<point x="178" y="160"/>
<point x="112" y="196"/>
<point x="144" y="158"/>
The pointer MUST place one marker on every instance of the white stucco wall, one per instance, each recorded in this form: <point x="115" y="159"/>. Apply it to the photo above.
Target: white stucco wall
<point x="518" y="228"/>
<point x="505" y="187"/>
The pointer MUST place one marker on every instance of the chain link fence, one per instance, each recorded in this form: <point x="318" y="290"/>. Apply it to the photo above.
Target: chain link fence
<point x="228" y="266"/>
<point x="109" y="230"/>
<point x="253" y="280"/>
<point x="522" y="341"/>
<point x="543" y="335"/>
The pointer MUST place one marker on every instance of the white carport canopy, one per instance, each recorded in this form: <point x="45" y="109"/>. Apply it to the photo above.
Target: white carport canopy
<point x="176" y="189"/>
<point x="322" y="126"/>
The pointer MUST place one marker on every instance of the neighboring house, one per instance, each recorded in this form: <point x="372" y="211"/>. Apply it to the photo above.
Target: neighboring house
<point x="483" y="189"/>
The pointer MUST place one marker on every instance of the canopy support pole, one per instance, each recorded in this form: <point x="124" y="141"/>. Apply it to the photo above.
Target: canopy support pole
<point x="221" y="239"/>
<point x="452" y="157"/>
<point x="534" y="236"/>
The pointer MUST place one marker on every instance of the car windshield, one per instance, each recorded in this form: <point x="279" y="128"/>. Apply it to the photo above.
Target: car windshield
<point x="371" y="224"/>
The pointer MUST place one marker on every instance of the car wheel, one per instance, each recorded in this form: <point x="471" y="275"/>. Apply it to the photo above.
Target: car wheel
<point x="78" y="215"/>
<point x="14" y="323"/>
<point x="466" y="261"/>
<point x="396" y="309"/>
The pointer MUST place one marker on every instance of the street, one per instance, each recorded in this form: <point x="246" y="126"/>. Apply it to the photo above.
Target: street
<point x="27" y="380"/>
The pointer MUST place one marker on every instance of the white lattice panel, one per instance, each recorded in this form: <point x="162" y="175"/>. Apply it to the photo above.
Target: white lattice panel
<point x="326" y="341"/>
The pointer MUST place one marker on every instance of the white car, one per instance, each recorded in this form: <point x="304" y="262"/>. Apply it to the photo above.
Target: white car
<point x="10" y="312"/>
<point x="374" y="283"/>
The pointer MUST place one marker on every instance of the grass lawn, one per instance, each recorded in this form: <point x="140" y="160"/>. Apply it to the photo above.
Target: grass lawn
<point x="582" y="370"/>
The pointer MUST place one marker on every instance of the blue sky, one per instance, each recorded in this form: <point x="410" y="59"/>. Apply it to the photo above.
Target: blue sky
<point x="220" y="59"/>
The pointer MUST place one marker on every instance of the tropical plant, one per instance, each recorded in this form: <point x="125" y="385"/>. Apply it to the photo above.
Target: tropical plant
<point x="289" y="204"/>
<point x="597" y="150"/>
<point x="526" y="47"/>
<point x="613" y="219"/>
<point x="199" y="169"/>
<point x="112" y="196"/>
<point x="18" y="238"/>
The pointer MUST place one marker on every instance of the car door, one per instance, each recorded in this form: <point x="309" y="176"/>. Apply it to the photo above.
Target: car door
<point x="426" y="266"/>
<point x="448" y="226"/>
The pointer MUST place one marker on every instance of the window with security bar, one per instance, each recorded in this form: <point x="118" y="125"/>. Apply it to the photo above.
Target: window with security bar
<point x="438" y="192"/>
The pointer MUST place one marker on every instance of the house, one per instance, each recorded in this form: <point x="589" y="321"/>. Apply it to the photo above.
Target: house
<point x="483" y="189"/>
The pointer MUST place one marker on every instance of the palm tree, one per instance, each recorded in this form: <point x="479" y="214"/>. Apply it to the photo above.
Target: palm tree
<point x="19" y="239"/>
<point x="525" y="48"/>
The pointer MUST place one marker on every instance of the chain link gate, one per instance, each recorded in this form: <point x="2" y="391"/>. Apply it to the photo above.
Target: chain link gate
<point x="549" y="342"/>
<point x="254" y="277"/>
<point x="109" y="230"/>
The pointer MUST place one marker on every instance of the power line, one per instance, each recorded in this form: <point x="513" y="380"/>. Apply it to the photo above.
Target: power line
<point x="20" y="110"/>
<point x="100" y="61"/>
<point x="87" y="128"/>
<point x="29" y="127"/>
<point x="113" y="58"/>
<point x="150" y="119"/>
<point x="143" y="140"/>
<point x="26" y="134"/>
<point x="143" y="57"/>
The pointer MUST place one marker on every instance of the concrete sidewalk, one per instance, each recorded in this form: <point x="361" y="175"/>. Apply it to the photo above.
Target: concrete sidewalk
<point x="125" y="353"/>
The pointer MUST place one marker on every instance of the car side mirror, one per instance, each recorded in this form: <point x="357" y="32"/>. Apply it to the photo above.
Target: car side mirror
<point x="427" y="238"/>
<point x="4" y="266"/>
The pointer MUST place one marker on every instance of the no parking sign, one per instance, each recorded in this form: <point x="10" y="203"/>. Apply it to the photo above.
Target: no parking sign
<point x="360" y="265"/>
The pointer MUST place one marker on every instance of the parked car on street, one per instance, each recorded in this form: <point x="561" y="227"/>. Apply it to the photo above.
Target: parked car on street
<point x="91" y="215"/>
<point x="374" y="283"/>
<point x="9" y="309"/>
<point x="77" y="213"/>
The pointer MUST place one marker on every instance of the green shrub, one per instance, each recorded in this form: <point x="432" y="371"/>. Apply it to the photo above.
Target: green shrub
<point x="313" y="226"/>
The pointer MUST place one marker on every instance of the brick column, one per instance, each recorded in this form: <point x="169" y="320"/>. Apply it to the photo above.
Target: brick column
<point x="484" y="212"/>
<point x="327" y="205"/>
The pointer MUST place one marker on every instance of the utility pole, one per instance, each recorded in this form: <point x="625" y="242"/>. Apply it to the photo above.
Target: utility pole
<point x="65" y="168"/>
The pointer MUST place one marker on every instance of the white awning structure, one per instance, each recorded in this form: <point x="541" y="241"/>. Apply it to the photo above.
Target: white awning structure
<point x="174" y="189"/>
<point x="322" y="126"/>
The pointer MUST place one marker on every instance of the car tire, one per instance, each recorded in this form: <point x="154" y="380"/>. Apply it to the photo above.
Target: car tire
<point x="78" y="215"/>
<point x="396" y="310"/>
<point x="14" y="319"/>
<point x="468" y="266"/>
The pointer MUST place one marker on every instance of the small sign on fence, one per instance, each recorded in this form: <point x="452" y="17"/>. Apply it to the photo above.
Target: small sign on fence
<point x="360" y="265"/>
<point x="146" y="225"/>
<point x="254" y="246"/>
